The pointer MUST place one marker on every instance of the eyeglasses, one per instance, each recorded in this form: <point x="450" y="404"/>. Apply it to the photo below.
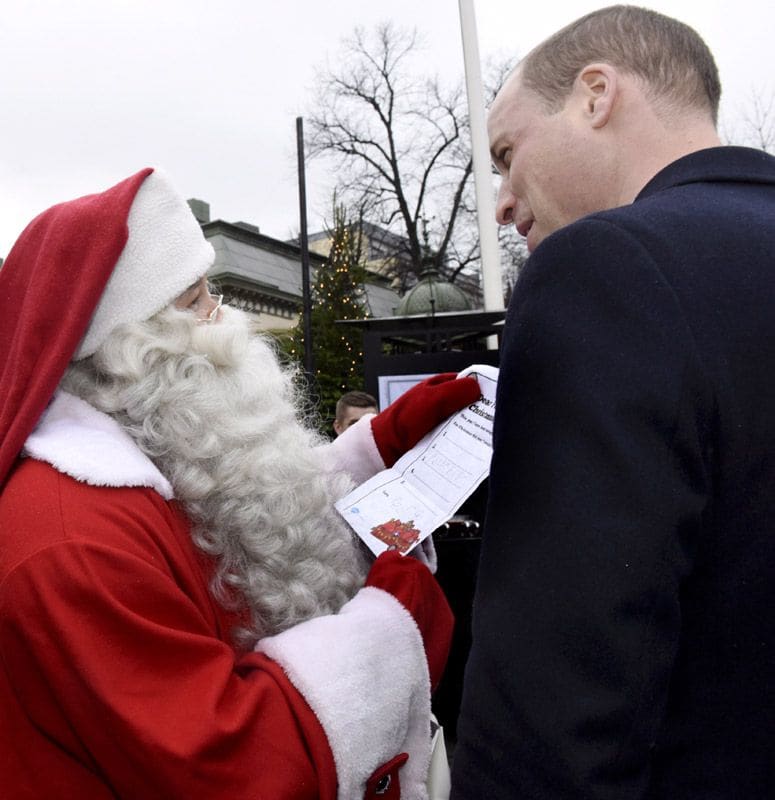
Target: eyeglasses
<point x="211" y="317"/>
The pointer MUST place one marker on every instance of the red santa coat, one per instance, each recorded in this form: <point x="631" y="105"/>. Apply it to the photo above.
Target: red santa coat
<point x="118" y="678"/>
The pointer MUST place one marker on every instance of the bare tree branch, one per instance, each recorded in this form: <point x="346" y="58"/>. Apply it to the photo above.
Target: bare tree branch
<point x="756" y="124"/>
<point x="399" y="142"/>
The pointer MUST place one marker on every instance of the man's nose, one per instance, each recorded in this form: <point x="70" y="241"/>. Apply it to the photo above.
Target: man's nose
<point x="505" y="204"/>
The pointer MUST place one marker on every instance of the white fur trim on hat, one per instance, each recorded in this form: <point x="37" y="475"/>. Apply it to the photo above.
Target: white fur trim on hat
<point x="165" y="253"/>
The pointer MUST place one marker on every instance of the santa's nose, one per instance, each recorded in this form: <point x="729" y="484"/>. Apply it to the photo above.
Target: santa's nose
<point x="212" y="309"/>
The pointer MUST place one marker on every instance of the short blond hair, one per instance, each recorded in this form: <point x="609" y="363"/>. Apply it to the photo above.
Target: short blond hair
<point x="670" y="57"/>
<point x="354" y="399"/>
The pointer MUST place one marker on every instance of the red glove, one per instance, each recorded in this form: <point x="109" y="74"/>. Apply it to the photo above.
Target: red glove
<point x="413" y="585"/>
<point x="404" y="422"/>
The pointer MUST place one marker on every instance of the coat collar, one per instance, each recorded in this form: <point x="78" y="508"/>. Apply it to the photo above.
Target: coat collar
<point x="714" y="164"/>
<point x="91" y="447"/>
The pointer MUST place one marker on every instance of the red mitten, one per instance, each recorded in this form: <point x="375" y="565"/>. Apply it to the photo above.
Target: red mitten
<point x="413" y="585"/>
<point x="404" y="422"/>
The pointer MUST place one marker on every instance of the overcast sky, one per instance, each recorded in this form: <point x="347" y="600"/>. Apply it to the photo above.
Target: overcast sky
<point x="93" y="90"/>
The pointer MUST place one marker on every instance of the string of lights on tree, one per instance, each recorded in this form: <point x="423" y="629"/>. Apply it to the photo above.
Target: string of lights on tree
<point x="337" y="294"/>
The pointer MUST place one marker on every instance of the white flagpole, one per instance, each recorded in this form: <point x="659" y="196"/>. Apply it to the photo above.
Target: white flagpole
<point x="485" y="194"/>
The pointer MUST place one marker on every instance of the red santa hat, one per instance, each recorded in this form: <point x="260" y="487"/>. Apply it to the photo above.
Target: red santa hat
<point x="76" y="272"/>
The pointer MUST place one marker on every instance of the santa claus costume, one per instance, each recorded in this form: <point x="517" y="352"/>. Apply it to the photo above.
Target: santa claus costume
<point x="119" y="673"/>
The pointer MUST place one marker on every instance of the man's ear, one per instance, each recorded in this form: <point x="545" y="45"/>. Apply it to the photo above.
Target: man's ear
<point x="599" y="87"/>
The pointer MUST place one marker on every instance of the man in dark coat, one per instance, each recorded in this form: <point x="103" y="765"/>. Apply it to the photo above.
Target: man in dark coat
<point x="624" y="639"/>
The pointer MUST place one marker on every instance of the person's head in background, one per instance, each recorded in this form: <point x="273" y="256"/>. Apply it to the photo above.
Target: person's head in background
<point x="351" y="407"/>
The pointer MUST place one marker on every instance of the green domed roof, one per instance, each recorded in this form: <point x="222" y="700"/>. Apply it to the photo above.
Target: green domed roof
<point x="432" y="295"/>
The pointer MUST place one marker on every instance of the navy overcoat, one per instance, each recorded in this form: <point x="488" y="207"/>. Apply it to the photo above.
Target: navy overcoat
<point x="624" y="620"/>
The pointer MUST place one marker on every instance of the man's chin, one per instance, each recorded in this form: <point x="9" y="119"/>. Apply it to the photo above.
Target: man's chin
<point x="537" y="234"/>
<point x="533" y="238"/>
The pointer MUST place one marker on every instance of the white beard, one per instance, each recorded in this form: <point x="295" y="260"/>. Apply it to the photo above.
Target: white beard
<point x="214" y="410"/>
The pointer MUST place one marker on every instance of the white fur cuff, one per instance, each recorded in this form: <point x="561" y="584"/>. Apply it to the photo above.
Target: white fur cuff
<point x="364" y="674"/>
<point x="355" y="452"/>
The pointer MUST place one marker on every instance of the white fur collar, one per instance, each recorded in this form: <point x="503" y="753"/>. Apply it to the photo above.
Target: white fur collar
<point x="91" y="447"/>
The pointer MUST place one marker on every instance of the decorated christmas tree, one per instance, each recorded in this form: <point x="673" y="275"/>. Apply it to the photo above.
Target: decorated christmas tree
<point x="337" y="294"/>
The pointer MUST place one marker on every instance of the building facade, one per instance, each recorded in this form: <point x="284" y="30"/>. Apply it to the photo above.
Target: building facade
<point x="263" y="276"/>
